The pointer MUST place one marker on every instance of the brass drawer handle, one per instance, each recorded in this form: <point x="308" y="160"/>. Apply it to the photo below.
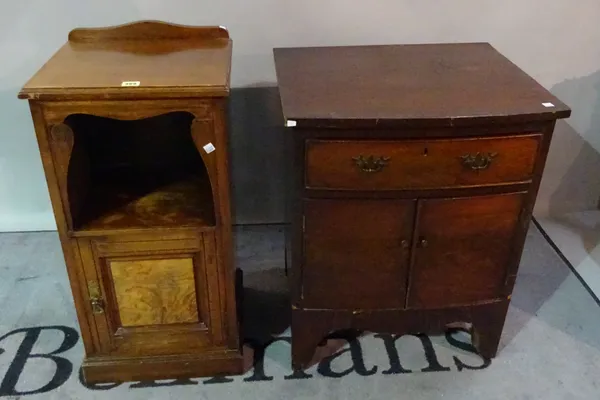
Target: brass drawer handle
<point x="371" y="163"/>
<point x="478" y="160"/>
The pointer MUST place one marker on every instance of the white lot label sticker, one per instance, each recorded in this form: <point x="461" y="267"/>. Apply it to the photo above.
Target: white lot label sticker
<point x="130" y="83"/>
<point x="209" y="148"/>
<point x="290" y="123"/>
<point x="548" y="105"/>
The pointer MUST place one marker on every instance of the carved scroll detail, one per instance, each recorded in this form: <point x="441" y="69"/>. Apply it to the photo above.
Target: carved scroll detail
<point x="62" y="141"/>
<point x="147" y="30"/>
<point x="62" y="133"/>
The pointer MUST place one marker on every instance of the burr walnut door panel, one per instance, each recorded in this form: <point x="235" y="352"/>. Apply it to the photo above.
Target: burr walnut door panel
<point x="153" y="297"/>
<point x="463" y="249"/>
<point x="356" y="253"/>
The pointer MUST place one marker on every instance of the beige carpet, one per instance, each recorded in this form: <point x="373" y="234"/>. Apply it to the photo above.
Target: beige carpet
<point x="550" y="347"/>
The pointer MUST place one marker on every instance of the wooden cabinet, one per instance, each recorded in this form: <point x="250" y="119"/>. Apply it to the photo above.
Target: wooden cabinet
<point x="136" y="160"/>
<point x="413" y="175"/>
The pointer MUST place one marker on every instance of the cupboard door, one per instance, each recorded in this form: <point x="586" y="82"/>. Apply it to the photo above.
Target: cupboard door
<point x="153" y="297"/>
<point x="356" y="253"/>
<point x="463" y="249"/>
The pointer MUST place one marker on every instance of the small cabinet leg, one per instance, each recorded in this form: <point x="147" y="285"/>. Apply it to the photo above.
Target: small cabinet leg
<point x="306" y="337"/>
<point x="486" y="342"/>
<point x="487" y="329"/>
<point x="304" y="344"/>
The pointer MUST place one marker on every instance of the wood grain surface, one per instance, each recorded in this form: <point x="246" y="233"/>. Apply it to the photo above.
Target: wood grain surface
<point x="155" y="292"/>
<point x="416" y="164"/>
<point x="149" y="29"/>
<point x="96" y="61"/>
<point x="187" y="202"/>
<point x="468" y="245"/>
<point x="454" y="84"/>
<point x="355" y="257"/>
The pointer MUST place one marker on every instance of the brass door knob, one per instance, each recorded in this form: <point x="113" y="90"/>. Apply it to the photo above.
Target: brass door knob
<point x="97" y="305"/>
<point x="404" y="244"/>
<point x="424" y="243"/>
<point x="96" y="300"/>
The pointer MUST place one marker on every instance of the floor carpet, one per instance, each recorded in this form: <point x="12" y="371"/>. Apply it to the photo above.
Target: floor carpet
<point x="550" y="347"/>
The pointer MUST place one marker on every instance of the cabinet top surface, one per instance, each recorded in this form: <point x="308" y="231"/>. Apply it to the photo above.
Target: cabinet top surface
<point x="167" y="60"/>
<point x="408" y="85"/>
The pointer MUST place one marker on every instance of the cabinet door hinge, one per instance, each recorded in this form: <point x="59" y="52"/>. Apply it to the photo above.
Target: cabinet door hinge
<point x="303" y="224"/>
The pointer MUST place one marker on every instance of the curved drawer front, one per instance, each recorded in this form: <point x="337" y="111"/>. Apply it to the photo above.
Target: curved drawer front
<point x="419" y="164"/>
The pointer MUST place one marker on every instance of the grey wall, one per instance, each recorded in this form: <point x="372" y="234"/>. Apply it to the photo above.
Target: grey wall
<point x="256" y="129"/>
<point x="556" y="41"/>
<point x="571" y="180"/>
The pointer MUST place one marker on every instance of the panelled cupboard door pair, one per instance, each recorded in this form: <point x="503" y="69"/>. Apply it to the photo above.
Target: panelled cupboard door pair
<point x="414" y="253"/>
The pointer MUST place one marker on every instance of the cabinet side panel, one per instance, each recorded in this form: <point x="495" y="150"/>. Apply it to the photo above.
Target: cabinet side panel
<point x="69" y="247"/>
<point x="529" y="204"/>
<point x="295" y="148"/>
<point x="224" y="239"/>
<point x="211" y="289"/>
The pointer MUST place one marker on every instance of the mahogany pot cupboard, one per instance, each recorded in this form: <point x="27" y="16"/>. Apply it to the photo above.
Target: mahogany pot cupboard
<point x="131" y="126"/>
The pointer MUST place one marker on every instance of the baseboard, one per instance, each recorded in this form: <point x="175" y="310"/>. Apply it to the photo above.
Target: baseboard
<point x="102" y="370"/>
<point x="43" y="221"/>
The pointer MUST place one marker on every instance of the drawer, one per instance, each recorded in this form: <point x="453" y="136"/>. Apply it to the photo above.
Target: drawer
<point x="419" y="164"/>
